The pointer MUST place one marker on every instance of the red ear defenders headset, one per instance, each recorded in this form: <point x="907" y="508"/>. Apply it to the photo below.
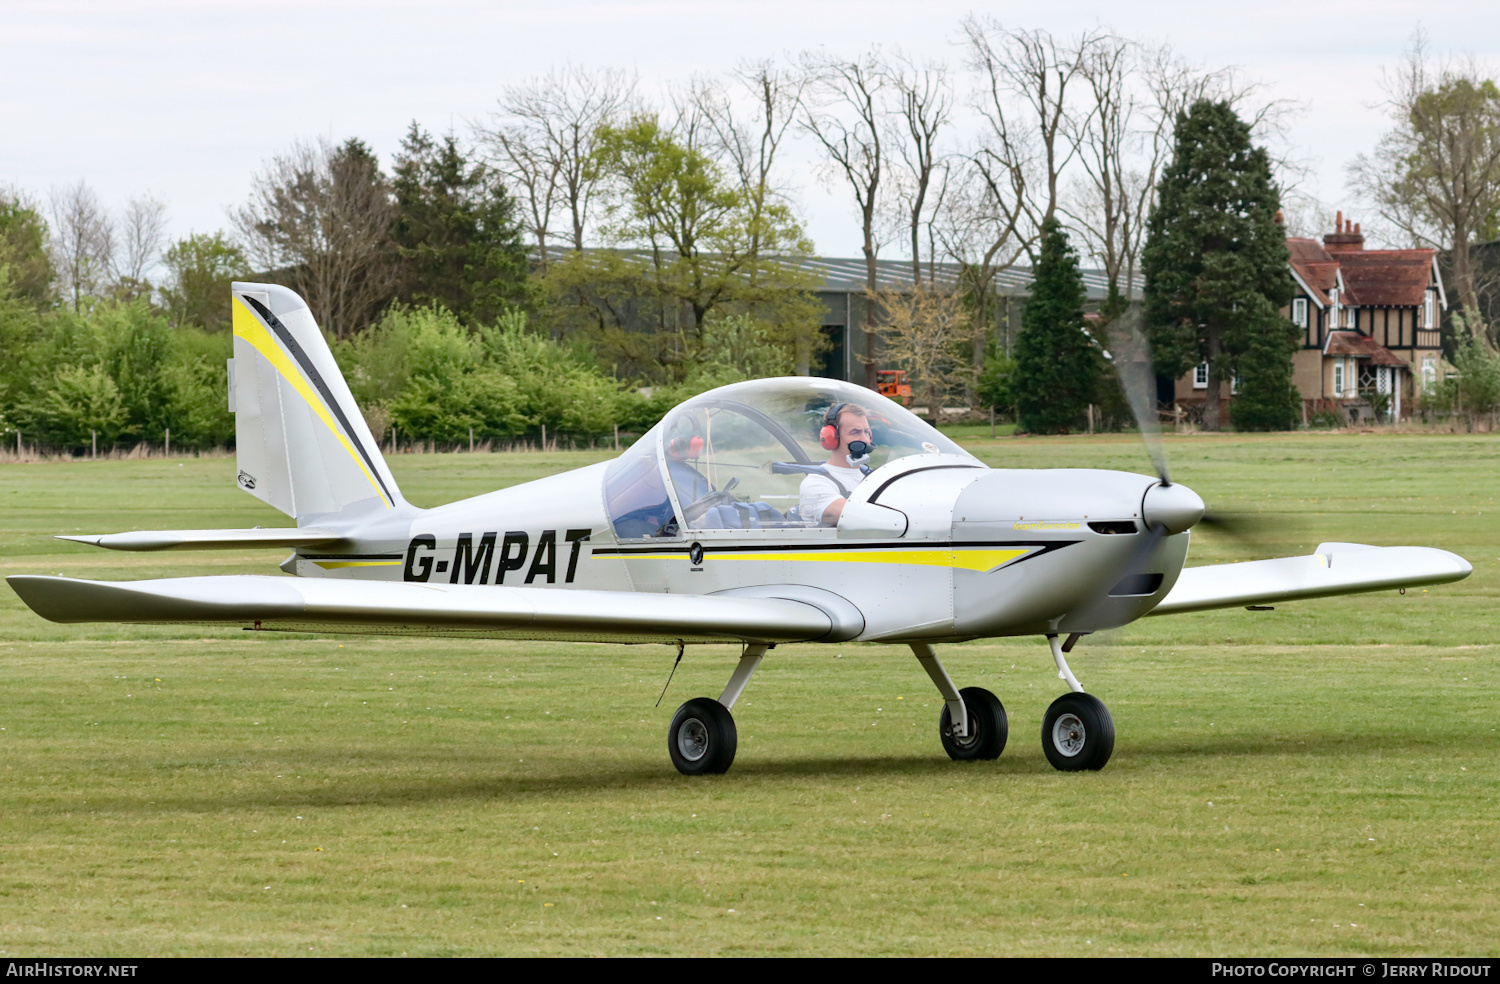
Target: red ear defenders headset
<point x="688" y="444"/>
<point x="829" y="435"/>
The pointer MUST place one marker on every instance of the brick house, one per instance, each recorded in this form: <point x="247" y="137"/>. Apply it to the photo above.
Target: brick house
<point x="1370" y="343"/>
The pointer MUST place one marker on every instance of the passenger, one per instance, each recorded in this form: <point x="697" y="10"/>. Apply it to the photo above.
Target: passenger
<point x="846" y="433"/>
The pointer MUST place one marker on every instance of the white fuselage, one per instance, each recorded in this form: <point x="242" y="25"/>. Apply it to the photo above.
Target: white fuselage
<point x="985" y="552"/>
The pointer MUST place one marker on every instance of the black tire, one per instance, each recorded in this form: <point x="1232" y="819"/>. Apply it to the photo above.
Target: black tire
<point x="988" y="727"/>
<point x="1078" y="733"/>
<point x="702" y="739"/>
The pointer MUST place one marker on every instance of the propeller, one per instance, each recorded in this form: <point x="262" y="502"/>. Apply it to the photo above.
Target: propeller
<point x="1131" y="355"/>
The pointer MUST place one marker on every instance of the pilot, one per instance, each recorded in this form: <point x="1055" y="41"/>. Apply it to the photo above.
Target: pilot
<point x="846" y="433"/>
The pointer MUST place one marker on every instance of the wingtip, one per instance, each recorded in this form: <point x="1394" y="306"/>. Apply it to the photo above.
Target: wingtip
<point x="92" y="539"/>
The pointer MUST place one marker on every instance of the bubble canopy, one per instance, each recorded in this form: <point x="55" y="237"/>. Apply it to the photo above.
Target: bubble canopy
<point x="734" y="458"/>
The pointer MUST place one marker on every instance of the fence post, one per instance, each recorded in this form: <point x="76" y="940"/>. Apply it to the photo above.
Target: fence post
<point x="93" y="444"/>
<point x="168" y="450"/>
<point x="617" y="438"/>
<point x="992" y="423"/>
<point x="544" y="437"/>
<point x="1091" y="418"/>
<point x="471" y="440"/>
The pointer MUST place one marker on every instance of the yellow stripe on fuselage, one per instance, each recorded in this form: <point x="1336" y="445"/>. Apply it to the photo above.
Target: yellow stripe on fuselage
<point x="970" y="560"/>
<point x="248" y="327"/>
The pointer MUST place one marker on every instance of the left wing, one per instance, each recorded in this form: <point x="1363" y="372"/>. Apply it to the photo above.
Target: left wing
<point x="1332" y="569"/>
<point x="208" y="539"/>
<point x="259" y="601"/>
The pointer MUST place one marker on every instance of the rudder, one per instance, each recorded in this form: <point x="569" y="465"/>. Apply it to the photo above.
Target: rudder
<point x="302" y="445"/>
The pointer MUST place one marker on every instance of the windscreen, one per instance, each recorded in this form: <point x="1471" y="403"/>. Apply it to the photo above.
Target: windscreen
<point x="750" y="455"/>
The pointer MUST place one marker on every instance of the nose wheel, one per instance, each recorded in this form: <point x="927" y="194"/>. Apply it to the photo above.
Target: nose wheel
<point x="1078" y="733"/>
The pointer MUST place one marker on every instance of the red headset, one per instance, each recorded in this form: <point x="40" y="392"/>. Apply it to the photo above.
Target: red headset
<point x="688" y="443"/>
<point x="691" y="447"/>
<point x="829" y="435"/>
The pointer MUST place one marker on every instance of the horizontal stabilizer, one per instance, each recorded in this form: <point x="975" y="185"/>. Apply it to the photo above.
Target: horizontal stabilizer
<point x="1333" y="569"/>
<point x="410" y="608"/>
<point x="207" y="539"/>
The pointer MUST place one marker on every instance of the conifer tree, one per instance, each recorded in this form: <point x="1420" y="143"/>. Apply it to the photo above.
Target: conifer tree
<point x="456" y="232"/>
<point x="1215" y="263"/>
<point x="1057" y="363"/>
<point x="1267" y="399"/>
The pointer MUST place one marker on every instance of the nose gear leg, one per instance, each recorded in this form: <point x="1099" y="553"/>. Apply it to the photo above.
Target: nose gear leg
<point x="1063" y="673"/>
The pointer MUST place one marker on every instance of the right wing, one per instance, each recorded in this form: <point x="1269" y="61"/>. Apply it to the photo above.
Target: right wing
<point x="258" y="601"/>
<point x="1332" y="569"/>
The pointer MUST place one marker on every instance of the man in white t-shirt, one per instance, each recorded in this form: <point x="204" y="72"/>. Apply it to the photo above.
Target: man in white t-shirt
<point x="824" y="494"/>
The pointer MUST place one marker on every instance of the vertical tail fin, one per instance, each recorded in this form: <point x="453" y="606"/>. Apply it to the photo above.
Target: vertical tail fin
<point x="303" y="445"/>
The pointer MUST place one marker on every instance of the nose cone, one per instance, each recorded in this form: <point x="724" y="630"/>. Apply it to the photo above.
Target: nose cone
<point x="1175" y="507"/>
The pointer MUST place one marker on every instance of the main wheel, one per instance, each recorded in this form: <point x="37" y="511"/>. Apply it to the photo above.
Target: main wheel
<point x="1078" y="733"/>
<point x="988" y="727"/>
<point x="702" y="738"/>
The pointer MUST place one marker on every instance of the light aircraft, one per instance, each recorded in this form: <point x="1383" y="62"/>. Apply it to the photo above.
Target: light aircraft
<point x="695" y="534"/>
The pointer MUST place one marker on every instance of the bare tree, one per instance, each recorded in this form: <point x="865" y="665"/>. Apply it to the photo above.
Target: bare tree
<point x="749" y="143"/>
<point x="981" y="225"/>
<point x="1034" y="69"/>
<point x="1109" y="211"/>
<point x="319" y="219"/>
<point x="1124" y="135"/>
<point x="521" y="155"/>
<point x="1436" y="175"/>
<point x="924" y="108"/>
<point x="543" y="138"/>
<point x="143" y="230"/>
<point x="1174" y="84"/>
<point x="83" y="242"/>
<point x="846" y="117"/>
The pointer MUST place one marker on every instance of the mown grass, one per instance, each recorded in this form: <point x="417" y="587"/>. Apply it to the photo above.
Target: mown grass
<point x="1316" y="780"/>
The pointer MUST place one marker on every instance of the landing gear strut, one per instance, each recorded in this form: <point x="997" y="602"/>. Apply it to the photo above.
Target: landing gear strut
<point x="973" y="725"/>
<point x="702" y="738"/>
<point x="1077" y="730"/>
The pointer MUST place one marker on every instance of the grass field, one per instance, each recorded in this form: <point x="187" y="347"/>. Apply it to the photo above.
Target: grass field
<point x="1321" y="779"/>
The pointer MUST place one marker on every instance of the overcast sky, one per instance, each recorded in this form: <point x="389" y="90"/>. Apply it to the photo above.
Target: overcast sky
<point x="186" y="100"/>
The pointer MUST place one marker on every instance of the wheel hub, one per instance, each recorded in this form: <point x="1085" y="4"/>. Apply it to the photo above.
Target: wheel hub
<point x="692" y="739"/>
<point x="1068" y="735"/>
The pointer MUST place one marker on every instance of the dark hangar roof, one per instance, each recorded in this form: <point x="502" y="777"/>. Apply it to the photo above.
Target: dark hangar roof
<point x="847" y="275"/>
<point x="841" y="275"/>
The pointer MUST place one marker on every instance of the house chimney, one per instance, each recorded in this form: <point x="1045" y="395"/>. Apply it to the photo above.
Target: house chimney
<point x="1345" y="238"/>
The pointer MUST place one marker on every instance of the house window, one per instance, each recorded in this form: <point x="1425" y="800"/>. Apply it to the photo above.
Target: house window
<point x="1351" y="318"/>
<point x="1299" y="312"/>
<point x="1428" y="310"/>
<point x="1338" y="377"/>
<point x="1200" y="376"/>
<point x="1429" y="373"/>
